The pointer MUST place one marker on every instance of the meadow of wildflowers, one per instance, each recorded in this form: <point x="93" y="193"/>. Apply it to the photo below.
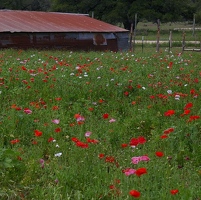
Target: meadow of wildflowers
<point x="100" y="125"/>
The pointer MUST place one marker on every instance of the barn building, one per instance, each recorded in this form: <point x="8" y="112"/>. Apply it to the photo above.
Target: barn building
<point x="33" y="29"/>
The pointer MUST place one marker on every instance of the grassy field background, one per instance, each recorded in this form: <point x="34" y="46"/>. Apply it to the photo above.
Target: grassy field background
<point x="100" y="125"/>
<point x="149" y="31"/>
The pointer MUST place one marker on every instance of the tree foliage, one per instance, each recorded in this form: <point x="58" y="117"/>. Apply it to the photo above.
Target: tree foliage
<point x="40" y="5"/>
<point x="116" y="11"/>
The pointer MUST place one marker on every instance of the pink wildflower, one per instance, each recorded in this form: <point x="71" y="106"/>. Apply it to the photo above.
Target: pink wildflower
<point x="136" y="160"/>
<point x="80" y="118"/>
<point x="27" y="111"/>
<point x="129" y="171"/>
<point x="88" y="133"/>
<point x="56" y="121"/>
<point x="144" y="158"/>
<point x="112" y="120"/>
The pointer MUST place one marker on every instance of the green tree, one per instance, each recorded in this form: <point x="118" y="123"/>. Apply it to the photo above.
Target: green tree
<point x="115" y="11"/>
<point x="40" y="5"/>
<point x="123" y="11"/>
<point x="197" y="4"/>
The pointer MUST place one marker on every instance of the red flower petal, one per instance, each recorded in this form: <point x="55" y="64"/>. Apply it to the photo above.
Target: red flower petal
<point x="141" y="171"/>
<point x="159" y="154"/>
<point x="105" y="116"/>
<point x="134" y="193"/>
<point x="173" y="192"/>
<point x="38" y="133"/>
<point x="169" y="113"/>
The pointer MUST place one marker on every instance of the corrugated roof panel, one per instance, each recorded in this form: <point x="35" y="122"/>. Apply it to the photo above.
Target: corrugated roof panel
<point x="34" y="21"/>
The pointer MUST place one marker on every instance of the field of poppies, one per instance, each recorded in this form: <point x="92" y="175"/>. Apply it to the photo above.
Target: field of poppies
<point x="100" y="125"/>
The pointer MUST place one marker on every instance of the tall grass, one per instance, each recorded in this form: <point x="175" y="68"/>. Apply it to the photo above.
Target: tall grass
<point x="77" y="125"/>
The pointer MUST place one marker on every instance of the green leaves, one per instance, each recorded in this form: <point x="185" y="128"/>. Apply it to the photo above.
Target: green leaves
<point x="8" y="158"/>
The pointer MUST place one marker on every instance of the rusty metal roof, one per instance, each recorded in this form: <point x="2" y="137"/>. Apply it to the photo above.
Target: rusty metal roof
<point x="35" y="21"/>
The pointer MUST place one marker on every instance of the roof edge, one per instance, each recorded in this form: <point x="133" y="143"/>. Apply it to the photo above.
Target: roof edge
<point x="8" y="10"/>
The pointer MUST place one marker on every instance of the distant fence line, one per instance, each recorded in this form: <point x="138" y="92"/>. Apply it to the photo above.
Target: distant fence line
<point x="185" y="45"/>
<point x="187" y="29"/>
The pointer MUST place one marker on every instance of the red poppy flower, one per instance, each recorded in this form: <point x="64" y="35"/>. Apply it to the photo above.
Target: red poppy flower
<point x="76" y="116"/>
<point x="117" y="181"/>
<point x="24" y="68"/>
<point x="105" y="116"/>
<point x="112" y="187"/>
<point x="130" y="87"/>
<point x="38" y="133"/>
<point x="74" y="139"/>
<point x="186" y="112"/>
<point x="32" y="79"/>
<point x="110" y="159"/>
<point x="188" y="105"/>
<point x="164" y="136"/>
<point x="91" y="109"/>
<point x="34" y="142"/>
<point x="141" y="140"/>
<point x="50" y="139"/>
<point x="94" y="141"/>
<point x="134" y="193"/>
<point x="101" y="155"/>
<point x="82" y="144"/>
<point x="170" y="64"/>
<point x="14" y="141"/>
<point x="101" y="101"/>
<point x="80" y="122"/>
<point x="159" y="154"/>
<point x="55" y="107"/>
<point x="133" y="102"/>
<point x="72" y="124"/>
<point x="169" y="113"/>
<point x="136" y="141"/>
<point x="124" y="145"/>
<point x="193" y="117"/>
<point x="173" y="192"/>
<point x="57" y="130"/>
<point x="152" y="97"/>
<point x="169" y="130"/>
<point x="25" y="81"/>
<point x="58" y="99"/>
<point x="192" y="91"/>
<point x="126" y="93"/>
<point x="14" y="106"/>
<point x="19" y="158"/>
<point x="141" y="171"/>
<point x="18" y="108"/>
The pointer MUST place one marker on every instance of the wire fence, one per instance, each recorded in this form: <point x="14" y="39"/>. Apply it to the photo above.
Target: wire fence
<point x="160" y="42"/>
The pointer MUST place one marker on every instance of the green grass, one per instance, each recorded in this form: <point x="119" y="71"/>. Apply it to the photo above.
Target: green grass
<point x="43" y="160"/>
<point x="149" y="31"/>
<point x="166" y="26"/>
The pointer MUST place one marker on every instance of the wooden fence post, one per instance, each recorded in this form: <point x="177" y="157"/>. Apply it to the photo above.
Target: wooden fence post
<point x="194" y="25"/>
<point x="142" y="43"/>
<point x="170" y="41"/>
<point x="135" y="28"/>
<point x="131" y="38"/>
<point x="183" y="41"/>
<point x="200" y="44"/>
<point x="158" y="35"/>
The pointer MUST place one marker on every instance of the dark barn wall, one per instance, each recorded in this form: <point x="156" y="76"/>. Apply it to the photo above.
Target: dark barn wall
<point x="69" y="41"/>
<point x="122" y="41"/>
